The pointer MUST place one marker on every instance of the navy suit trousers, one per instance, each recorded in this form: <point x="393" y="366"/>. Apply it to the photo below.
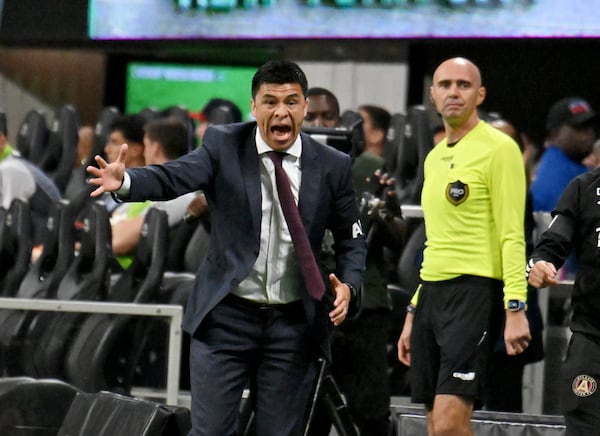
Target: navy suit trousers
<point x="268" y="348"/>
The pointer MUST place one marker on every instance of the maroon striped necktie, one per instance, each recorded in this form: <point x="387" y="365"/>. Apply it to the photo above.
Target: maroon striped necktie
<point x="306" y="260"/>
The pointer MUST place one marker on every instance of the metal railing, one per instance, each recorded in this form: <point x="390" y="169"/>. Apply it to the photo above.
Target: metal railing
<point x="173" y="313"/>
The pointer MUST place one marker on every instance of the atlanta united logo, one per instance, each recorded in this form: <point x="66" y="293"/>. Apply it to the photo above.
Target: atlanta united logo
<point x="584" y="385"/>
<point x="457" y="192"/>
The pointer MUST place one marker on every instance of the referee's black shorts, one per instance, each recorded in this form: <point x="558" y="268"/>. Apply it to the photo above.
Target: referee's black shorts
<point x="579" y="385"/>
<point x="456" y="323"/>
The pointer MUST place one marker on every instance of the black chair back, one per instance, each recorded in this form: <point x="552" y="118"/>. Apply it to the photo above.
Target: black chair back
<point x="61" y="152"/>
<point x="111" y="414"/>
<point x="33" y="407"/>
<point x="15" y="246"/>
<point x="49" y="334"/>
<point x="418" y="142"/>
<point x="40" y="281"/>
<point x="106" y="349"/>
<point x="32" y="137"/>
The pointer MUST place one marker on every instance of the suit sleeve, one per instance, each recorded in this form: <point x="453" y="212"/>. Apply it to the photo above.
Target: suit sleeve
<point x="349" y="242"/>
<point x="189" y="173"/>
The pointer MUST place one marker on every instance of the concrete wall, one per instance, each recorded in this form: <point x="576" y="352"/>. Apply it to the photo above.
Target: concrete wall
<point x="16" y="102"/>
<point x="356" y="83"/>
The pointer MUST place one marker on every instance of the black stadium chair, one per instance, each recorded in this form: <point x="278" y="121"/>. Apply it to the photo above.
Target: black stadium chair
<point x="30" y="407"/>
<point x="418" y="141"/>
<point x="40" y="281"/>
<point x="394" y="142"/>
<point x="61" y="151"/>
<point x="44" y="275"/>
<point x="104" y="352"/>
<point x="49" y="334"/>
<point x="101" y="131"/>
<point x="78" y="190"/>
<point x="32" y="137"/>
<point x="110" y="414"/>
<point x="15" y="246"/>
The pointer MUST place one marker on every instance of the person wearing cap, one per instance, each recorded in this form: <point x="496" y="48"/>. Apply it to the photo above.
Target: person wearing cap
<point x="216" y="111"/>
<point x="574" y="228"/>
<point x="570" y="138"/>
<point x="21" y="179"/>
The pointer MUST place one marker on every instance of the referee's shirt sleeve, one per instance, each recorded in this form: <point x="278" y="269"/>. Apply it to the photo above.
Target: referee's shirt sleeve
<point x="508" y="192"/>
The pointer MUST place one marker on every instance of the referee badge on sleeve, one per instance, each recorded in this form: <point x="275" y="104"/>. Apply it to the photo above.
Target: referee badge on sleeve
<point x="457" y="192"/>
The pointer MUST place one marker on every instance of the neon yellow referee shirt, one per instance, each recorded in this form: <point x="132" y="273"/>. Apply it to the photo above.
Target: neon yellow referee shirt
<point x="473" y="203"/>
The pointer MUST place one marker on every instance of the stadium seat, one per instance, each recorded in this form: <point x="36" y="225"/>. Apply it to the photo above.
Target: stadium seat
<point x="111" y="414"/>
<point x="394" y="142"/>
<point x="40" y="281"/>
<point x="411" y="155"/>
<point x="61" y="151"/>
<point x="33" y="407"/>
<point x="49" y="334"/>
<point x="101" y="131"/>
<point x="15" y="246"/>
<point x="44" y="275"/>
<point x="77" y="190"/>
<point x="106" y="348"/>
<point x="32" y="137"/>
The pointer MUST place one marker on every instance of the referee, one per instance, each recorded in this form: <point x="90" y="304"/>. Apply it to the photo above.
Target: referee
<point x="473" y="203"/>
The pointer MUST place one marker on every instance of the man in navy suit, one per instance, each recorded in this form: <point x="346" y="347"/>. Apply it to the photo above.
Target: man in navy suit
<point x="250" y="314"/>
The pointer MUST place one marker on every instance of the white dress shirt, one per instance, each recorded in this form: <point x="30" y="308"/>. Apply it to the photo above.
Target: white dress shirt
<point x="275" y="277"/>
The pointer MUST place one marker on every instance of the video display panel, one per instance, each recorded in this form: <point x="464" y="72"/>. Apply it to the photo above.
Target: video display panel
<point x="325" y="19"/>
<point x="161" y="85"/>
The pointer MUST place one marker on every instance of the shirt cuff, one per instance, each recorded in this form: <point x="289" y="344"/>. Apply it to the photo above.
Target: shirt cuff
<point x="125" y="188"/>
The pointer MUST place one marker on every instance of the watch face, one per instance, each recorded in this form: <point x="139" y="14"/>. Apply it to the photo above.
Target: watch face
<point x="514" y="305"/>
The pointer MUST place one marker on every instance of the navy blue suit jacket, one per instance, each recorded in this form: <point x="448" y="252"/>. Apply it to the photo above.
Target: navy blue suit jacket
<point x="226" y="169"/>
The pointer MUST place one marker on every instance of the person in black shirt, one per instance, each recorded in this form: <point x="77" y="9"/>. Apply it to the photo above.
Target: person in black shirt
<point x="575" y="226"/>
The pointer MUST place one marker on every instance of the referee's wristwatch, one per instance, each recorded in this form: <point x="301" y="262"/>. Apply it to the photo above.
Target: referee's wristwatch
<point x="516" y="305"/>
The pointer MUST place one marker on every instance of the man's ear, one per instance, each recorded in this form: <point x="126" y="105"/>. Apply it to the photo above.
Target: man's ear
<point x="481" y="93"/>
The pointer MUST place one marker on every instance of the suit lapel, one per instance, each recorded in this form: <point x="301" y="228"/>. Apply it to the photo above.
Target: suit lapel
<point x="311" y="182"/>
<point x="251" y="177"/>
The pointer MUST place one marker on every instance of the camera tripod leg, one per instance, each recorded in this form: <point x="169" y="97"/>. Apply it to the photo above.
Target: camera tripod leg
<point x="328" y="394"/>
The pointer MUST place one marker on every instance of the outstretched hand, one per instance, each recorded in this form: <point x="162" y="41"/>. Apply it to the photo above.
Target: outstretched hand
<point x="108" y="176"/>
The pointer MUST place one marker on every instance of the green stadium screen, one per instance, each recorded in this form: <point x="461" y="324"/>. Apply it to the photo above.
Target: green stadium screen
<point x="161" y="85"/>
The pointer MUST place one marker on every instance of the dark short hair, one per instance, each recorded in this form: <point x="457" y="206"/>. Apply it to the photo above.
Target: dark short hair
<point x="130" y="126"/>
<point x="210" y="111"/>
<point x="327" y="93"/>
<point x="279" y="72"/>
<point x="380" y="118"/>
<point x="171" y="133"/>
